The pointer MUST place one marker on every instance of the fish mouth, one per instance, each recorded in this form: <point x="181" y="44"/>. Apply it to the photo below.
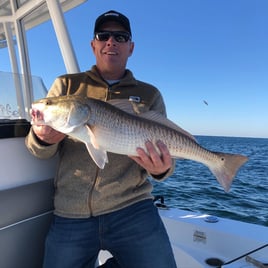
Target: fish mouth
<point x="37" y="116"/>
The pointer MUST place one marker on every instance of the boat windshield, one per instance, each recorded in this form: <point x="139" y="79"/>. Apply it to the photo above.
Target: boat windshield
<point x="12" y="99"/>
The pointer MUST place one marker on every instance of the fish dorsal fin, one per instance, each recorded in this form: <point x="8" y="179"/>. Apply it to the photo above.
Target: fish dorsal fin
<point x="129" y="107"/>
<point x="159" y="118"/>
<point x="123" y="104"/>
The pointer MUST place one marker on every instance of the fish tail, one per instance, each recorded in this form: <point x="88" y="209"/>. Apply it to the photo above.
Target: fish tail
<point x="227" y="168"/>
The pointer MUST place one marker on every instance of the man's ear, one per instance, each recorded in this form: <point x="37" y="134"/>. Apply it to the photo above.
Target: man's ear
<point x="131" y="48"/>
<point x="92" y="44"/>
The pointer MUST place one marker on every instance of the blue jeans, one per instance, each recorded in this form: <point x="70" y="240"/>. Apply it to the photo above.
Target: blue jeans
<point x="135" y="236"/>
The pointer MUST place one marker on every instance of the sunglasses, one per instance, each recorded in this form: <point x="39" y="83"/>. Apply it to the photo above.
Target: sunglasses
<point x="120" y="37"/>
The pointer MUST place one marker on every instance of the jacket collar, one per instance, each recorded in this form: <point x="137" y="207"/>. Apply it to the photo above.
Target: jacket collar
<point x="127" y="80"/>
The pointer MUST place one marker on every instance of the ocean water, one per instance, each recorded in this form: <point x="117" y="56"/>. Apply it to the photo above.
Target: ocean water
<point x="193" y="187"/>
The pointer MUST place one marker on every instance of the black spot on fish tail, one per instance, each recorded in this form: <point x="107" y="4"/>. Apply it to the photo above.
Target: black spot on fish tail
<point x="227" y="168"/>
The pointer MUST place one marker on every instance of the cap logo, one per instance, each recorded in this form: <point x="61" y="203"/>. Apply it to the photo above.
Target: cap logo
<point x="134" y="99"/>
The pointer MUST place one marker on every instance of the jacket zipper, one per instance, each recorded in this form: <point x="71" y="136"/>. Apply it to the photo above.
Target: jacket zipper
<point x="92" y="189"/>
<point x="97" y="170"/>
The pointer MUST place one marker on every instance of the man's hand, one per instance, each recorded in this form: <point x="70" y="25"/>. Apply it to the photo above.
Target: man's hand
<point x="47" y="134"/>
<point x="154" y="162"/>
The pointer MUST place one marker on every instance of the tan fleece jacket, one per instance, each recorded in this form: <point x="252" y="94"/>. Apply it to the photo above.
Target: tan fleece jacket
<point x="81" y="188"/>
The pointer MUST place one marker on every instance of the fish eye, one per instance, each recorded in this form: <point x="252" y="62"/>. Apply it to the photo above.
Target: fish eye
<point x="48" y="102"/>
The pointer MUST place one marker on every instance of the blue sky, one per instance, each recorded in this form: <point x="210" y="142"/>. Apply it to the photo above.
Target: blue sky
<point x="194" y="51"/>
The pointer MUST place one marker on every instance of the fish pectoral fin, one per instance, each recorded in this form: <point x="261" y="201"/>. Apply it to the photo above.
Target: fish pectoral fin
<point x="99" y="156"/>
<point x="92" y="137"/>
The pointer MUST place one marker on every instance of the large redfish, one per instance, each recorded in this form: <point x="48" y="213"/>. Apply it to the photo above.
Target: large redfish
<point x="106" y="128"/>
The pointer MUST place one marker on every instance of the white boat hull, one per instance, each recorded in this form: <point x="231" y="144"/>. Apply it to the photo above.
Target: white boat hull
<point x="198" y="243"/>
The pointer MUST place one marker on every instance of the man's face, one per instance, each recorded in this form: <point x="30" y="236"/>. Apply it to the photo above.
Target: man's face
<point x="111" y="54"/>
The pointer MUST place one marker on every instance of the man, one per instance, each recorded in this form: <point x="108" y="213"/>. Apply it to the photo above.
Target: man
<point x="108" y="209"/>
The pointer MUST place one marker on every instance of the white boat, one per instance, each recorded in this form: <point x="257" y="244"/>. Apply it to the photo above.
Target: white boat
<point x="26" y="183"/>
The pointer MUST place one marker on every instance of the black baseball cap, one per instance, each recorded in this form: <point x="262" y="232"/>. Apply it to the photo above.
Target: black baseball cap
<point x="112" y="16"/>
